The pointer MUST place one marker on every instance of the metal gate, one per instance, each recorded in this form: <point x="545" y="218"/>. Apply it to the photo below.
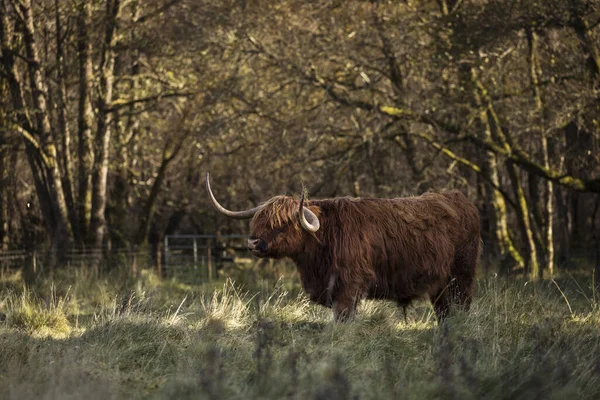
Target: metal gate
<point x="205" y="255"/>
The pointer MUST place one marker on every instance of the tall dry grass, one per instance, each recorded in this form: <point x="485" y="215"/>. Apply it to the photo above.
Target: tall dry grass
<point x="116" y="336"/>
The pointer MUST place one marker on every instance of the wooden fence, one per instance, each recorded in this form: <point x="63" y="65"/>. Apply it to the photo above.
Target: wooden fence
<point x="40" y="260"/>
<point x="199" y="256"/>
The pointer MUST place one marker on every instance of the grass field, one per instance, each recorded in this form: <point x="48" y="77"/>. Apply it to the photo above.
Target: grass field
<point x="82" y="336"/>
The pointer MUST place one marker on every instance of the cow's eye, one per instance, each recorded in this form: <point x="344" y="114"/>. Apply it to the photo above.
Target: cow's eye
<point x="281" y="229"/>
<point x="278" y="231"/>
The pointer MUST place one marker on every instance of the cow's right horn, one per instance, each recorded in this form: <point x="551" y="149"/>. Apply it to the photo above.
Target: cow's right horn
<point x="231" y="214"/>
<point x="308" y="219"/>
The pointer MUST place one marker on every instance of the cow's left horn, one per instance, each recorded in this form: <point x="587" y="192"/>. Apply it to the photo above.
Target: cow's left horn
<point x="308" y="219"/>
<point x="231" y="214"/>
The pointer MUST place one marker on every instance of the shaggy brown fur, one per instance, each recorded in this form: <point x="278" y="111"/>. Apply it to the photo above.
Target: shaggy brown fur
<point x="397" y="249"/>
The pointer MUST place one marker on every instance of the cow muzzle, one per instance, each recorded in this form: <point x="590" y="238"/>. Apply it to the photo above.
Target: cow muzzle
<point x="257" y="247"/>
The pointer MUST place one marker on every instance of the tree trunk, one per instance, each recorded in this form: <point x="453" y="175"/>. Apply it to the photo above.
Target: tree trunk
<point x="562" y="212"/>
<point x="63" y="126"/>
<point x="39" y="143"/>
<point x="404" y="141"/>
<point x="524" y="220"/>
<point x="62" y="231"/>
<point x="102" y="142"/>
<point x="548" y="199"/>
<point x="126" y="134"/>
<point x="446" y="6"/>
<point x="169" y="154"/>
<point x="4" y="165"/>
<point x="589" y="45"/>
<point x="3" y="195"/>
<point x="596" y="240"/>
<point x="120" y="232"/>
<point x="507" y="246"/>
<point x="491" y="172"/>
<point x="544" y="219"/>
<point x="577" y="140"/>
<point x="505" y="141"/>
<point x="531" y="255"/>
<point x="416" y="168"/>
<point x="149" y="207"/>
<point x="85" y="119"/>
<point x="597" y="265"/>
<point x="577" y="143"/>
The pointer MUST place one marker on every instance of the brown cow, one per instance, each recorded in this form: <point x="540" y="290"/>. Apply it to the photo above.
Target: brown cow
<point x="347" y="249"/>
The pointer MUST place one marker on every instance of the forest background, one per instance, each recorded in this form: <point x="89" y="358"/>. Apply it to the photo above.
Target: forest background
<point x="111" y="111"/>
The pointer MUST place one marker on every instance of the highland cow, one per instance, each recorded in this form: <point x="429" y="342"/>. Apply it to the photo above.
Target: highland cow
<point x="347" y="249"/>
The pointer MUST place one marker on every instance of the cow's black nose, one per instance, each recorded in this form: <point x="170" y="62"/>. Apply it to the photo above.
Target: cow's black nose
<point x="252" y="243"/>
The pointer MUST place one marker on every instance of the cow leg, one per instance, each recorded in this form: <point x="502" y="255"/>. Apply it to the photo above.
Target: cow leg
<point x="463" y="273"/>
<point x="344" y="307"/>
<point x="462" y="291"/>
<point x="442" y="302"/>
<point x="405" y="317"/>
<point x="404" y="305"/>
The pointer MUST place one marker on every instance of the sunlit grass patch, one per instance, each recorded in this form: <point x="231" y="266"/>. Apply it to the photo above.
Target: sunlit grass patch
<point x="37" y="316"/>
<point x="230" y="306"/>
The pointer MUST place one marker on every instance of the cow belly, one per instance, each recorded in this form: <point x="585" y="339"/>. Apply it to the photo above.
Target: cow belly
<point x="380" y="292"/>
<point x="403" y="284"/>
<point x="401" y="297"/>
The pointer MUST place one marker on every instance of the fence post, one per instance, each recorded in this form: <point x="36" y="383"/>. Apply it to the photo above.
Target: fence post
<point x="209" y="259"/>
<point x="133" y="260"/>
<point x="195" y="254"/>
<point x="166" y="267"/>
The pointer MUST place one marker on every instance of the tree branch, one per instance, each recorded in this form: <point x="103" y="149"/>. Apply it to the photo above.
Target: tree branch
<point x="512" y="151"/>
<point x="515" y="153"/>
<point x="121" y="103"/>
<point x="156" y="12"/>
<point x="32" y="141"/>
<point x="453" y="156"/>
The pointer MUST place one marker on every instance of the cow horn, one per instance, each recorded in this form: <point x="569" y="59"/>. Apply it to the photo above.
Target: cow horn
<point x="231" y="214"/>
<point x="308" y="219"/>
